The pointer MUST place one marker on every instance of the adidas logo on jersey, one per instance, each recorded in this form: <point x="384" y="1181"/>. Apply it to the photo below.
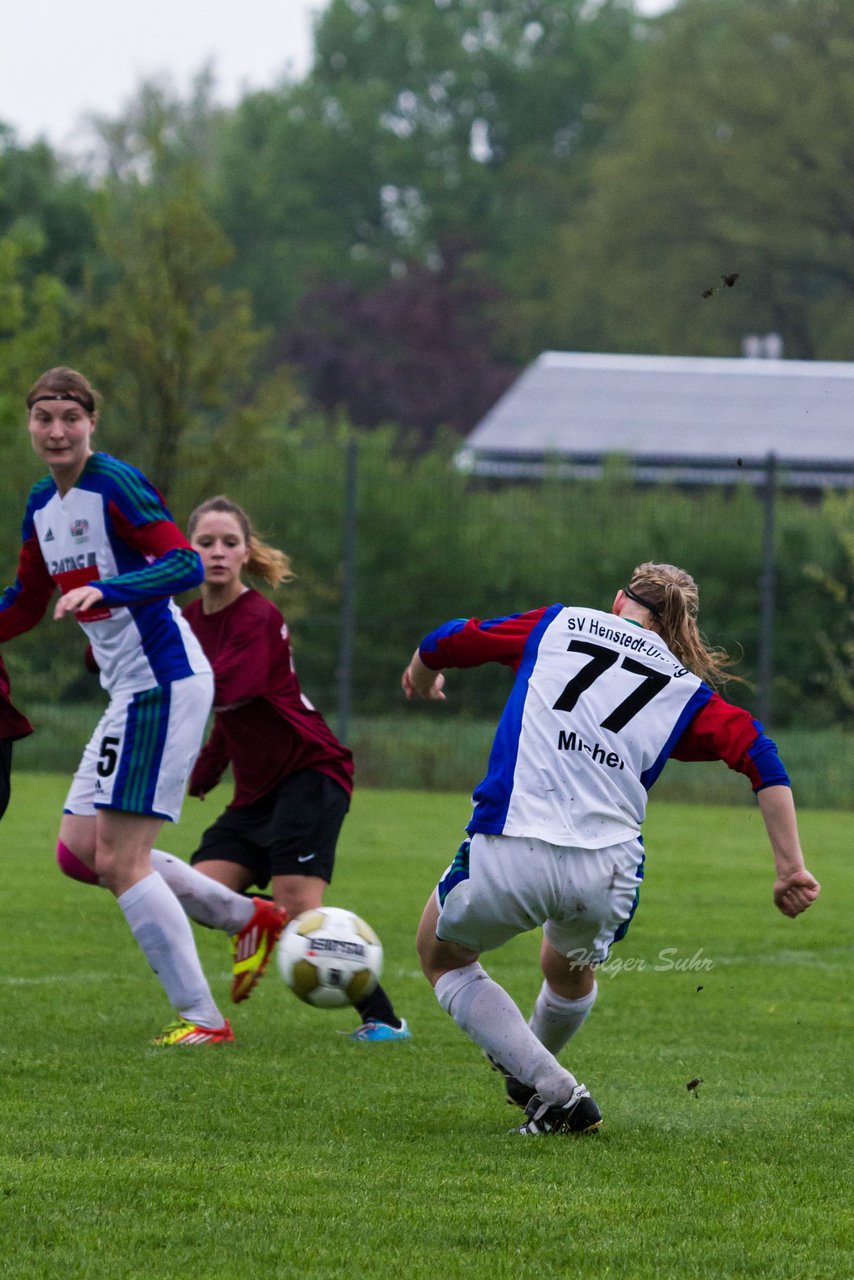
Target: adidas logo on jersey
<point x="48" y="537"/>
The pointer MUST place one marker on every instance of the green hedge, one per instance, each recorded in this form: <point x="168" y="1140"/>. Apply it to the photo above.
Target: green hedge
<point x="437" y="748"/>
<point x="433" y="544"/>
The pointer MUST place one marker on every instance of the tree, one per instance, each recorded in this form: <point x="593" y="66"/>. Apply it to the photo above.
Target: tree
<point x="414" y="351"/>
<point x="49" y="204"/>
<point x="735" y="158"/>
<point x="423" y="125"/>
<point x="177" y="348"/>
<point x="36" y="318"/>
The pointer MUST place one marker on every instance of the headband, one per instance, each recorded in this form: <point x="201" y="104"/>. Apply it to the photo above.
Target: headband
<point x="654" y="609"/>
<point x="85" y="403"/>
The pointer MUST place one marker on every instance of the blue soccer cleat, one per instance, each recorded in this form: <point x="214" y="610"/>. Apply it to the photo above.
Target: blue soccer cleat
<point x="374" y="1031"/>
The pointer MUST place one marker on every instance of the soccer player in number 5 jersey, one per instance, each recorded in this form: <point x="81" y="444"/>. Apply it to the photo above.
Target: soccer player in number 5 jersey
<point x="599" y="703"/>
<point x="97" y="530"/>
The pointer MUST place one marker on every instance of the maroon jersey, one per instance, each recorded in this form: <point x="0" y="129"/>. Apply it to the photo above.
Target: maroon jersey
<point x="264" y="725"/>
<point x="12" y="723"/>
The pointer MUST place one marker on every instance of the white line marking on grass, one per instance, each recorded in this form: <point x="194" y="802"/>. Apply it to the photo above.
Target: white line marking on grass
<point x="80" y="979"/>
<point x="70" y="979"/>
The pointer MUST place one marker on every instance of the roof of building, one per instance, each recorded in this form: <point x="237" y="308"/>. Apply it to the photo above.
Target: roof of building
<point x="691" y="419"/>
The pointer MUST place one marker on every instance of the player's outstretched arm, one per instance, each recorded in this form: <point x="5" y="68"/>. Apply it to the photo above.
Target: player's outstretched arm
<point x="795" y="888"/>
<point x="419" y="681"/>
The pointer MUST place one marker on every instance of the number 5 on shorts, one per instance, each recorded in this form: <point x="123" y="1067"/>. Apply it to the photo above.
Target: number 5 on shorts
<point x="108" y="757"/>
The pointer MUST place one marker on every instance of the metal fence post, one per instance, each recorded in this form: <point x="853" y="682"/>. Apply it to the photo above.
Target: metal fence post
<point x="766" y="591"/>
<point x="348" y="590"/>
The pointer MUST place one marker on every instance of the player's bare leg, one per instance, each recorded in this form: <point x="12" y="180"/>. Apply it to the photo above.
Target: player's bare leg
<point x="298" y="893"/>
<point x="75" y="849"/>
<point x="569" y="979"/>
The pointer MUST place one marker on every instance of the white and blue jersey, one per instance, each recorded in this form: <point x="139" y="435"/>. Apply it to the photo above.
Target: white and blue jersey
<point x="597" y="708"/>
<point x="112" y="528"/>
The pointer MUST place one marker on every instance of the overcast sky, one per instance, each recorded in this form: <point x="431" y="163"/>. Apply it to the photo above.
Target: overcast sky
<point x="59" y="62"/>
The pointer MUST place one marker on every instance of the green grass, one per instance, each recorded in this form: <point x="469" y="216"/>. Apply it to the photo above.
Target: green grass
<point x="296" y="1153"/>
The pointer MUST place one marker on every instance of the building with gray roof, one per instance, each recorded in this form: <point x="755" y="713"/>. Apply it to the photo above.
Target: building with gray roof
<point x="683" y="419"/>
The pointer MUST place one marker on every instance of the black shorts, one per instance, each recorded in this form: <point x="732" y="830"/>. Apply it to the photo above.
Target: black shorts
<point x="291" y="831"/>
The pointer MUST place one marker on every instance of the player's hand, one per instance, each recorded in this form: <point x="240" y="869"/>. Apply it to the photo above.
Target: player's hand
<point x="794" y="893"/>
<point x="202" y="782"/>
<point x="434" y="691"/>
<point x="77" y="600"/>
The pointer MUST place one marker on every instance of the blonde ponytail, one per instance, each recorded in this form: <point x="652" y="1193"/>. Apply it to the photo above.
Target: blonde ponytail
<point x="672" y="597"/>
<point x="268" y="563"/>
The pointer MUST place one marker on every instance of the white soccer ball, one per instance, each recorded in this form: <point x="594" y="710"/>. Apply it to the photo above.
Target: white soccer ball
<point x="330" y="957"/>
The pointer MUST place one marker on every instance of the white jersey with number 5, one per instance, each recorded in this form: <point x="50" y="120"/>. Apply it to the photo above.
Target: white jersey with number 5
<point x="598" y="706"/>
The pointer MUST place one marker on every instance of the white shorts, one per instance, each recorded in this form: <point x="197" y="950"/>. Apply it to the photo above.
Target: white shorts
<point x="500" y="886"/>
<point x="139" y="758"/>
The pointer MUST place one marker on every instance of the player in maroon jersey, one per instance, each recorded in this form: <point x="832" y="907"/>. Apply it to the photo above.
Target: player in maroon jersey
<point x="13" y="725"/>
<point x="293" y="778"/>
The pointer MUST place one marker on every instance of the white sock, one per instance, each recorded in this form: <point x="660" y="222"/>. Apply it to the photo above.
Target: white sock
<point x="484" y="1010"/>
<point x="556" y="1019"/>
<point x="164" y="935"/>
<point x="203" y="899"/>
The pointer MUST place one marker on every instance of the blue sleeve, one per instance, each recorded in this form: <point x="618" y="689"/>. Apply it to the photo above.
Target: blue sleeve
<point x="178" y="570"/>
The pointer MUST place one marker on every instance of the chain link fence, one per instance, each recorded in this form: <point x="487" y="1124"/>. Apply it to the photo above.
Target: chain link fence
<point x="386" y="545"/>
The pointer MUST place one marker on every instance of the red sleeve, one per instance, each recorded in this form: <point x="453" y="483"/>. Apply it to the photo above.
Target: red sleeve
<point x="722" y="731"/>
<point x="12" y="723"/>
<point x="469" y="642"/>
<point x="24" y="604"/>
<point x="211" y="764"/>
<point x="152" y="539"/>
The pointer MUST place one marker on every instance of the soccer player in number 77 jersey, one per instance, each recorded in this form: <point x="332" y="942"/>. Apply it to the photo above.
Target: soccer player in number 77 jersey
<point x="98" y="530"/>
<point x="599" y="703"/>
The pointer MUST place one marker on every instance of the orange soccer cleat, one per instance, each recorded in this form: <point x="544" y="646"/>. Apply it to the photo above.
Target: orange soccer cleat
<point x="252" y="947"/>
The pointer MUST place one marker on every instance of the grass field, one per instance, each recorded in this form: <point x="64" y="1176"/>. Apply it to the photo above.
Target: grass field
<point x="296" y="1153"/>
